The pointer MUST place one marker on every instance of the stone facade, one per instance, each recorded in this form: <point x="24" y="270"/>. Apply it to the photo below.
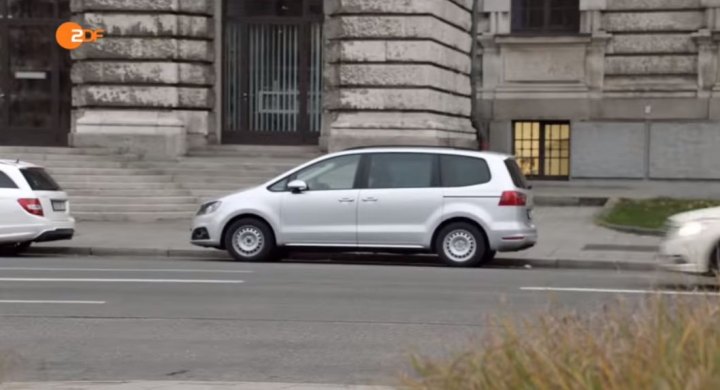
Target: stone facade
<point x="147" y="87"/>
<point x="397" y="72"/>
<point x="639" y="84"/>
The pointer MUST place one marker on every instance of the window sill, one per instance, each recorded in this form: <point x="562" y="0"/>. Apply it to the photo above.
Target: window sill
<point x="543" y="38"/>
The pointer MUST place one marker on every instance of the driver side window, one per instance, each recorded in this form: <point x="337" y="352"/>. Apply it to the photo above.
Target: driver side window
<point x="333" y="174"/>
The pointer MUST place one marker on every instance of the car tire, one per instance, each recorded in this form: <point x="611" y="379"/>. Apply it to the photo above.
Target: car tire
<point x="14" y="249"/>
<point x="250" y="240"/>
<point x="462" y="244"/>
<point x="714" y="262"/>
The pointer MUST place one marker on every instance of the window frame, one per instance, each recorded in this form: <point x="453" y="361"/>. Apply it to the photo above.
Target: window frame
<point x="290" y="177"/>
<point x="243" y="16"/>
<point x="546" y="28"/>
<point x="484" y="161"/>
<point x="365" y="172"/>
<point x="543" y="151"/>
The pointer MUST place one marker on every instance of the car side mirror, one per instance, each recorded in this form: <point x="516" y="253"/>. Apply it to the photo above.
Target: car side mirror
<point x="297" y="186"/>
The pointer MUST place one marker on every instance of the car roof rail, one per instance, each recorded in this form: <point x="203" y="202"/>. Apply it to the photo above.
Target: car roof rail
<point x="409" y="147"/>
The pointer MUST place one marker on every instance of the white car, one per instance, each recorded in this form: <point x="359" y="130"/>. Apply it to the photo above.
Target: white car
<point x="692" y="242"/>
<point x="33" y="207"/>
<point x="464" y="205"/>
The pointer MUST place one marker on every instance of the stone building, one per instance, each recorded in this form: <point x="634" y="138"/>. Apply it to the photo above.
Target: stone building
<point x="574" y="88"/>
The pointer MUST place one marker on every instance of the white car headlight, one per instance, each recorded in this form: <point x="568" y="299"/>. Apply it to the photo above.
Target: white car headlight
<point x="690" y="229"/>
<point x="209" y="208"/>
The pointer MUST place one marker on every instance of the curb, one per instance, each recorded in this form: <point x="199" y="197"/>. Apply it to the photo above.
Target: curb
<point x="599" y="220"/>
<point x="359" y="258"/>
<point x="569" y="201"/>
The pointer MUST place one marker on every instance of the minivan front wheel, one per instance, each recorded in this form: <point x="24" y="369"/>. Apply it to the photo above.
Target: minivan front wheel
<point x="461" y="244"/>
<point x="250" y="239"/>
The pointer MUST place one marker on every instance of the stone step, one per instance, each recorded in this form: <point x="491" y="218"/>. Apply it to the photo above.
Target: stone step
<point x="112" y="178"/>
<point x="64" y="171"/>
<point x="57" y="150"/>
<point x="222" y="167"/>
<point x="184" y="176"/>
<point x="253" y="153"/>
<point x="71" y="185"/>
<point x="267" y="148"/>
<point x="44" y="159"/>
<point x="230" y="187"/>
<point x="131" y="200"/>
<point x="53" y="164"/>
<point x="133" y="217"/>
<point x="133" y="208"/>
<point x="169" y="192"/>
<point x="231" y="180"/>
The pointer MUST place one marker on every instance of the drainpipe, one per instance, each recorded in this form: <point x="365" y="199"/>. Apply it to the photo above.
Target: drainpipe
<point x="475" y="111"/>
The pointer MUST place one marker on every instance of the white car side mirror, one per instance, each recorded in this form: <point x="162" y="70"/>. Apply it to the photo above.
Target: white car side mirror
<point x="297" y="186"/>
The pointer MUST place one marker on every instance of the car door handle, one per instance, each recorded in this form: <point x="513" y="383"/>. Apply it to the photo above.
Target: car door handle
<point x="369" y="200"/>
<point x="346" y="200"/>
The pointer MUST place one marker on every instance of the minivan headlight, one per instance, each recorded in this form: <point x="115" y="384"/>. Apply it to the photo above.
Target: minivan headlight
<point x="690" y="229"/>
<point x="209" y="208"/>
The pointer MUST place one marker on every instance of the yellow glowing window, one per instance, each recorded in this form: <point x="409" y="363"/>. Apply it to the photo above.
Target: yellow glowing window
<point x="542" y="148"/>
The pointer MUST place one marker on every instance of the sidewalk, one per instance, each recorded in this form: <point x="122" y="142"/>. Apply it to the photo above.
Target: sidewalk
<point x="571" y="192"/>
<point x="151" y="385"/>
<point x="569" y="238"/>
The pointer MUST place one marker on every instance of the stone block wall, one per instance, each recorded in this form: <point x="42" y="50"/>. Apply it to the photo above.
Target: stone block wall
<point x="155" y="61"/>
<point x="397" y="72"/>
<point x="639" y="82"/>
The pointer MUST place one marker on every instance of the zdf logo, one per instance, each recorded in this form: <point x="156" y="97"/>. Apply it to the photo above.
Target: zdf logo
<point x="71" y="35"/>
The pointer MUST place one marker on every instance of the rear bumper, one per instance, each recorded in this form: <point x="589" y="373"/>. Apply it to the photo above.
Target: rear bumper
<point x="515" y="240"/>
<point x="40" y="232"/>
<point x="55" y="235"/>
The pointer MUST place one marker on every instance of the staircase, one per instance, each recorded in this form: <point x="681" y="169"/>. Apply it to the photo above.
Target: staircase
<point x="103" y="185"/>
<point x="219" y="170"/>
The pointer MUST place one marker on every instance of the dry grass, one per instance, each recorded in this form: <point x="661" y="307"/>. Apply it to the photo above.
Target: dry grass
<point x="666" y="343"/>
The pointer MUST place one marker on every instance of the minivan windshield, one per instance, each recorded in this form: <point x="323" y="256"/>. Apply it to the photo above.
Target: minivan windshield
<point x="39" y="180"/>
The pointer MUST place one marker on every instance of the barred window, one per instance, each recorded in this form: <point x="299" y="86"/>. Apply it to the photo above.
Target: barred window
<point x="545" y="16"/>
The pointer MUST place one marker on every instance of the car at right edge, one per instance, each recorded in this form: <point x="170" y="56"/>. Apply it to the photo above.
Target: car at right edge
<point x="692" y="242"/>
<point x="463" y="205"/>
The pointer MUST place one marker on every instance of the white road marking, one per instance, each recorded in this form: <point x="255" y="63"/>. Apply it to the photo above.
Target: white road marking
<point x="78" y="280"/>
<point x="54" y="302"/>
<point x="618" y="291"/>
<point x="187" y="270"/>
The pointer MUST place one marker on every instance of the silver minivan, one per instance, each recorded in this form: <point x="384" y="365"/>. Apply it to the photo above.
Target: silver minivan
<point x="463" y="205"/>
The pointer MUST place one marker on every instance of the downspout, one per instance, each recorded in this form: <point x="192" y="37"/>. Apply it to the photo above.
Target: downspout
<point x="475" y="111"/>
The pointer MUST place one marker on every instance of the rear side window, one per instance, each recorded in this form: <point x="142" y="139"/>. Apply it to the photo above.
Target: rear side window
<point x="6" y="181"/>
<point x="463" y="171"/>
<point x="39" y="180"/>
<point x="516" y="174"/>
<point x="401" y="170"/>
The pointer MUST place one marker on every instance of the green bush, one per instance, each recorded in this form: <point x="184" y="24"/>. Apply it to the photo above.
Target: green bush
<point x="664" y="344"/>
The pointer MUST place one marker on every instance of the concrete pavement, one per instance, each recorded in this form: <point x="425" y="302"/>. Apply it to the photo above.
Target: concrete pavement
<point x="169" y="385"/>
<point x="568" y="238"/>
<point x="118" y="319"/>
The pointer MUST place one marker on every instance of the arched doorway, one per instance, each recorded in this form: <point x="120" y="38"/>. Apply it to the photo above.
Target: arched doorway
<point x="272" y="71"/>
<point x="35" y="89"/>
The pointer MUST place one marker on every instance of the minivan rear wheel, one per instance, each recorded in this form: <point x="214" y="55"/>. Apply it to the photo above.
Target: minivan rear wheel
<point x="462" y="244"/>
<point x="251" y="240"/>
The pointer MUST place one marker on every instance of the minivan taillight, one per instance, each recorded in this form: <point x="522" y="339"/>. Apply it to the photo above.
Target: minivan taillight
<point x="32" y="206"/>
<point x="513" y="198"/>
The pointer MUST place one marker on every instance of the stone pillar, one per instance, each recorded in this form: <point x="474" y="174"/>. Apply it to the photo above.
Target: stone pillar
<point x="397" y="72"/>
<point x="147" y="87"/>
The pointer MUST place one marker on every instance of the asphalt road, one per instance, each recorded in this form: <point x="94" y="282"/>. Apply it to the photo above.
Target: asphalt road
<point x="143" y="319"/>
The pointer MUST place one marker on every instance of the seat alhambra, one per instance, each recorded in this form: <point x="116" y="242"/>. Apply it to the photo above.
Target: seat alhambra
<point x="463" y="205"/>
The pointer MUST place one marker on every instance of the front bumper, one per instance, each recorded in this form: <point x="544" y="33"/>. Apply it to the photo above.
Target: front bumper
<point x="687" y="255"/>
<point x="206" y="231"/>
